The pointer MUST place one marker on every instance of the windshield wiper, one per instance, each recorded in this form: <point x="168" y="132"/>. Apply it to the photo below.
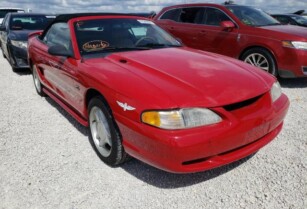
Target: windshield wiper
<point x="115" y="49"/>
<point x="156" y="45"/>
<point x="269" y="24"/>
<point x="274" y="24"/>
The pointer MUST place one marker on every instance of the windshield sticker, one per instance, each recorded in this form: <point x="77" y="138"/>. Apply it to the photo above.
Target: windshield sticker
<point x="95" y="45"/>
<point x="145" y="22"/>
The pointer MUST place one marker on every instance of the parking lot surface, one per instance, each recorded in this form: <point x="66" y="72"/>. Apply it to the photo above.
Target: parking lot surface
<point x="46" y="161"/>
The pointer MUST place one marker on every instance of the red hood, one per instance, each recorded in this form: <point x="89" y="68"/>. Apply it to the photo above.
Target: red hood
<point x="289" y="29"/>
<point x="188" y="77"/>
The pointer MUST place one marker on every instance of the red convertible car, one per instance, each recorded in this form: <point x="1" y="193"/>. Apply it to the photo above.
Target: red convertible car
<point x="143" y="94"/>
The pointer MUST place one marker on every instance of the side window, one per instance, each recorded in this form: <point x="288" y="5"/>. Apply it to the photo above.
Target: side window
<point x="49" y="35"/>
<point x="292" y="22"/>
<point x="282" y="20"/>
<point x="215" y="17"/>
<point x="58" y="34"/>
<point x="171" y="15"/>
<point x="191" y="15"/>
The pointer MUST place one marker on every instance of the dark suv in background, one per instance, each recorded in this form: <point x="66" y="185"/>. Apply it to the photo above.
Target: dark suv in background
<point x="291" y="19"/>
<point x="241" y="32"/>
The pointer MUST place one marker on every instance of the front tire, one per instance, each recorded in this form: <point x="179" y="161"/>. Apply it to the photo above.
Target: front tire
<point x="104" y="135"/>
<point x="15" y="69"/>
<point x="3" y="54"/>
<point x="37" y="82"/>
<point x="10" y="60"/>
<point x="261" y="58"/>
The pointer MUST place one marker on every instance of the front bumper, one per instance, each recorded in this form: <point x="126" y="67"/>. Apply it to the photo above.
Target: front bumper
<point x="292" y="63"/>
<point x="19" y="57"/>
<point x="242" y="133"/>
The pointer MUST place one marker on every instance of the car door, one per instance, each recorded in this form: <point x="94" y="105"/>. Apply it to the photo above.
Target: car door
<point x="199" y="28"/>
<point x="168" y="21"/>
<point x="61" y="73"/>
<point x="213" y="37"/>
<point x="183" y="23"/>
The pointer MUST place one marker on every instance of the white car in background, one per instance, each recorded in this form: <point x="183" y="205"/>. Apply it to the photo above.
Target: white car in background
<point x="4" y="11"/>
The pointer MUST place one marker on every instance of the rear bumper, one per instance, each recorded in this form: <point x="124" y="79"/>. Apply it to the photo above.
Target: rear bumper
<point x="242" y="133"/>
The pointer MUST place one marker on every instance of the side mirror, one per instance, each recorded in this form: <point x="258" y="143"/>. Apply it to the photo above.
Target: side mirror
<point x="59" y="50"/>
<point x="36" y="33"/>
<point x="227" y="25"/>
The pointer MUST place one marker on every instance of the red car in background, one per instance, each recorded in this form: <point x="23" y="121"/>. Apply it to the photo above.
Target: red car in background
<point x="143" y="94"/>
<point x="241" y="32"/>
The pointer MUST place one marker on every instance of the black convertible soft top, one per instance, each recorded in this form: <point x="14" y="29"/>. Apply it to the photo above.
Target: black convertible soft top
<point x="67" y="17"/>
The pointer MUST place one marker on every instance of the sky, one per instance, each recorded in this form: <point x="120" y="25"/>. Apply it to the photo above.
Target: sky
<point x="74" y="6"/>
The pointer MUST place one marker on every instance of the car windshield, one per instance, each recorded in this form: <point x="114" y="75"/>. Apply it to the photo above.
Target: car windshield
<point x="300" y="19"/>
<point x="119" y="34"/>
<point x="252" y="16"/>
<point x="29" y="22"/>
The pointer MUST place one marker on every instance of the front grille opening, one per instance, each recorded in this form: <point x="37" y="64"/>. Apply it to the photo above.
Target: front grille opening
<point x="196" y="161"/>
<point x="200" y="160"/>
<point x="239" y="105"/>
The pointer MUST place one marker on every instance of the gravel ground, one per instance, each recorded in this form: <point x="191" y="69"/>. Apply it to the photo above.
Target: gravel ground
<point x="46" y="161"/>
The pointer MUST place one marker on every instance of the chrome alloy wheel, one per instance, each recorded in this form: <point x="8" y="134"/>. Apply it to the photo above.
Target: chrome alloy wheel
<point x="258" y="60"/>
<point x="100" y="131"/>
<point x="37" y="82"/>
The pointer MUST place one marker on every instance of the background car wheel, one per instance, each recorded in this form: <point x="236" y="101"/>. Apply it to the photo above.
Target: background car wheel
<point x="11" y="61"/>
<point x="261" y="58"/>
<point x="104" y="135"/>
<point x="37" y="82"/>
<point x="3" y="54"/>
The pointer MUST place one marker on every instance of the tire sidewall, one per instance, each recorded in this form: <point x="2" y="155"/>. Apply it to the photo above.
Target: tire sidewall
<point x="10" y="59"/>
<point x="267" y="55"/>
<point x="2" y="52"/>
<point x="39" y="91"/>
<point x="117" y="151"/>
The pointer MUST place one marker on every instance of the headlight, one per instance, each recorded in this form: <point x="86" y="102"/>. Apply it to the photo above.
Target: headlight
<point x="181" y="119"/>
<point x="275" y="91"/>
<point x="295" y="44"/>
<point x="20" y="44"/>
